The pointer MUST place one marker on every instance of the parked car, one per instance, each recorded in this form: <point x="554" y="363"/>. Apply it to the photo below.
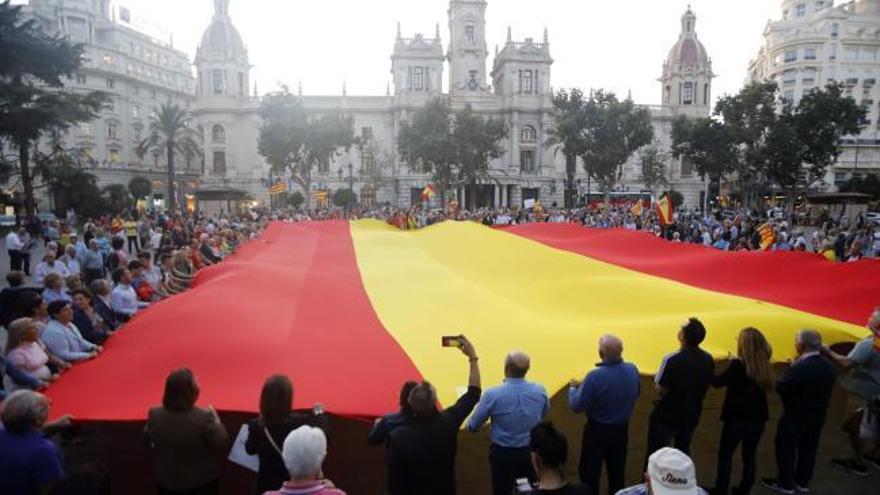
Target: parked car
<point x="7" y="221"/>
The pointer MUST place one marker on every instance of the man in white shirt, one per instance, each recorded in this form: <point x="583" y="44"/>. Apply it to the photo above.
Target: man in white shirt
<point x="156" y="240"/>
<point x="124" y="299"/>
<point x="49" y="265"/>
<point x="13" y="247"/>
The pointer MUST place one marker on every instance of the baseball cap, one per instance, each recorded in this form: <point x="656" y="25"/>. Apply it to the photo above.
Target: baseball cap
<point x="672" y="473"/>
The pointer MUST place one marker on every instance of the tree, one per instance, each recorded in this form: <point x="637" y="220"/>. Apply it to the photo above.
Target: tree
<point x="454" y="147"/>
<point x="117" y="198"/>
<point x="613" y="131"/>
<point x="170" y="132"/>
<point x="676" y="197"/>
<point x="653" y="163"/>
<point x="32" y="100"/>
<point x="707" y="144"/>
<point x="140" y="187"/>
<point x="295" y="199"/>
<point x="345" y="198"/>
<point x="476" y="141"/>
<point x="566" y="135"/>
<point x="71" y="187"/>
<point x="870" y="185"/>
<point x="376" y="165"/>
<point x="293" y="140"/>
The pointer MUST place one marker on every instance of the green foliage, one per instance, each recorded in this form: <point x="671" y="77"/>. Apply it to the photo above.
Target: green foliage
<point x="291" y="139"/>
<point x="613" y="131"/>
<point x="869" y="184"/>
<point x="170" y="133"/>
<point x="295" y="199"/>
<point x="455" y="147"/>
<point x="374" y="172"/>
<point x="566" y="134"/>
<point x="71" y="187"/>
<point x="708" y="144"/>
<point x="117" y="199"/>
<point x="676" y="197"/>
<point x="653" y="163"/>
<point x="140" y="187"/>
<point x="33" y="102"/>
<point x="345" y="198"/>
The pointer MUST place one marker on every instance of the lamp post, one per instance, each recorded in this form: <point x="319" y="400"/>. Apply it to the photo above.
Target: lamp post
<point x="350" y="177"/>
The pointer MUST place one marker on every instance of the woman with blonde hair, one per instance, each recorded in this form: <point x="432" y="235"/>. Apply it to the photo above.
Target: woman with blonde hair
<point x="748" y="378"/>
<point x="24" y="349"/>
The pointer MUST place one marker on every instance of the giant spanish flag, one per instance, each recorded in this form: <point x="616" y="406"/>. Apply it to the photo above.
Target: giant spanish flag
<point x="352" y="310"/>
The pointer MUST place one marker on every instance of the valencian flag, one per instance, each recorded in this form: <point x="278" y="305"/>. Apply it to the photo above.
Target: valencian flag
<point x="324" y="301"/>
<point x="637" y="209"/>
<point x="665" y="210"/>
<point x="278" y="188"/>
<point x="768" y="236"/>
<point x="428" y="193"/>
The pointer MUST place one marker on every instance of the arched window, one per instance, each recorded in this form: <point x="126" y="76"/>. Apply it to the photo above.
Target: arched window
<point x="218" y="134"/>
<point x="528" y="134"/>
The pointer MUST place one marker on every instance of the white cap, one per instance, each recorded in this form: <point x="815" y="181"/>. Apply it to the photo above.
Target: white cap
<point x="672" y="473"/>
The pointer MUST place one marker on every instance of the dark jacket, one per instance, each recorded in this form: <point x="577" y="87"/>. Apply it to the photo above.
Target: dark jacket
<point x="87" y="329"/>
<point x="188" y="446"/>
<point x="106" y="313"/>
<point x="421" y="452"/>
<point x="686" y="375"/>
<point x="272" y="472"/>
<point x="805" y="389"/>
<point x="744" y="401"/>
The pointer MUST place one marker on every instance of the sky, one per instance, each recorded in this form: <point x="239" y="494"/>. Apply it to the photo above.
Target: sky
<point x="618" y="45"/>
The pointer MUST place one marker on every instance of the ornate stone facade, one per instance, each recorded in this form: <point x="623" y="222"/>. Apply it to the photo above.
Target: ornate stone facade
<point x="816" y="42"/>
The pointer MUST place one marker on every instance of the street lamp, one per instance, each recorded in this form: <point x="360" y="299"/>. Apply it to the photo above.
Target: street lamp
<point x="350" y="177"/>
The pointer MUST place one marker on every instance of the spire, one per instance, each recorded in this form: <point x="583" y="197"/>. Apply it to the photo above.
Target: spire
<point x="299" y="88"/>
<point x="221" y="8"/>
<point x="344" y="88"/>
<point x="546" y="35"/>
<point x="688" y="21"/>
<point x="398" y="30"/>
<point x="509" y="35"/>
<point x="437" y="31"/>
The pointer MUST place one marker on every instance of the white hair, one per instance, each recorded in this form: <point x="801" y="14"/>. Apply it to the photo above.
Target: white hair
<point x="304" y="451"/>
<point x="24" y="410"/>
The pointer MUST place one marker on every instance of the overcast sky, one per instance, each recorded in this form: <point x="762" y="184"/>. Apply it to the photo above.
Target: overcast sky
<point x="614" y="44"/>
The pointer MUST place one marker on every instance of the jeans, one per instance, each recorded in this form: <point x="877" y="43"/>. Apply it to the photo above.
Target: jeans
<point x="606" y="444"/>
<point x="25" y="262"/>
<point x="734" y="433"/>
<point x="661" y="435"/>
<point x="797" y="443"/>
<point x="133" y="240"/>
<point x="509" y="464"/>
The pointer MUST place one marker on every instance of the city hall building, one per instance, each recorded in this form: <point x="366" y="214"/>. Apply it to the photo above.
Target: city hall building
<point x="515" y="85"/>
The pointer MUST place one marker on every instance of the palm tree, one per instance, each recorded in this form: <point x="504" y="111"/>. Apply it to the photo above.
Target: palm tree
<point x="170" y="132"/>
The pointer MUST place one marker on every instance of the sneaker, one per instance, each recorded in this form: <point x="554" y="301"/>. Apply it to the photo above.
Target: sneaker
<point x="773" y="485"/>
<point x="850" y="466"/>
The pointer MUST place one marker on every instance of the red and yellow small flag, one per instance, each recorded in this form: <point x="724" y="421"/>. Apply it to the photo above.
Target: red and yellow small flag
<point x="428" y="193"/>
<point x="665" y="210"/>
<point x="637" y="209"/>
<point x="768" y="236"/>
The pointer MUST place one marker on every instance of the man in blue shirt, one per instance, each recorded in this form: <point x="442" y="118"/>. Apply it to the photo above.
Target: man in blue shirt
<point x="608" y="396"/>
<point x="515" y="407"/>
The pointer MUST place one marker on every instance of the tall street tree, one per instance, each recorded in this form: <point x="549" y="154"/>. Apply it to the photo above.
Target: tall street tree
<point x="294" y="141"/>
<point x="653" y="163"/>
<point x="613" y="131"/>
<point x="707" y="144"/>
<point x="170" y="133"/>
<point x="33" y="101"/>
<point x="566" y="135"/>
<point x="455" y="147"/>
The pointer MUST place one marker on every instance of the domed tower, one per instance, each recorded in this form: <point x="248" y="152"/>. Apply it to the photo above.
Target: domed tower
<point x="222" y="59"/>
<point x="687" y="72"/>
<point x="227" y="116"/>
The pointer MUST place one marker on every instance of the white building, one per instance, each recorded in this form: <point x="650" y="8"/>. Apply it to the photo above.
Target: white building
<point x="816" y="42"/>
<point x="142" y="72"/>
<point x="516" y="88"/>
<point x="139" y="73"/>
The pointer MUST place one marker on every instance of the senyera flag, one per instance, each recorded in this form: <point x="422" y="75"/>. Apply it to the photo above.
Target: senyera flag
<point x="665" y="210"/>
<point x="352" y="310"/>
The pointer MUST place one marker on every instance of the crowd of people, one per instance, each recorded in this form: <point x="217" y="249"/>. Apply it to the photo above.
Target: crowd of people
<point x="89" y="285"/>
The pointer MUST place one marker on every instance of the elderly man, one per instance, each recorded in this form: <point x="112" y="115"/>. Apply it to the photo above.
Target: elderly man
<point x="49" y="265"/>
<point x="863" y="382"/>
<point x="805" y="390"/>
<point x="29" y="462"/>
<point x="13" y="247"/>
<point x="515" y="407"/>
<point x="92" y="263"/>
<point x="304" y="451"/>
<point x="608" y="396"/>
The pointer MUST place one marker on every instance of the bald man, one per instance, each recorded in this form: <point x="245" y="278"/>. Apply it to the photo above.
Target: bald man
<point x="608" y="397"/>
<point x="515" y="407"/>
